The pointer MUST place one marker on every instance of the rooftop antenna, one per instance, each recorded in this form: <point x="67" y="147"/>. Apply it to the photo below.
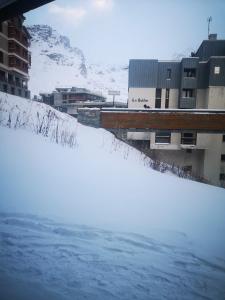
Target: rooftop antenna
<point x="209" y="20"/>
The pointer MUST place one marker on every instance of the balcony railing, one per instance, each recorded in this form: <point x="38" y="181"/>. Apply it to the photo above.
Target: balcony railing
<point x="187" y="102"/>
<point x="18" y="35"/>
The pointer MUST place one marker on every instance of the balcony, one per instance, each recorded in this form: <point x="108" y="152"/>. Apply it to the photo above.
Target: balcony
<point x="189" y="82"/>
<point x="18" y="35"/>
<point x="18" y="64"/>
<point x="187" y="103"/>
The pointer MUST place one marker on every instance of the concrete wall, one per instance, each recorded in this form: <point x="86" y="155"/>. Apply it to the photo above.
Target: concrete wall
<point x="216" y="97"/>
<point x="138" y="97"/>
<point x="181" y="158"/>
<point x="4" y="28"/>
<point x="3" y="43"/>
<point x="202" y="98"/>
<point x="174" y="142"/>
<point x="89" y="117"/>
<point x="141" y="136"/>
<point x="173" y="98"/>
<point x="212" y="159"/>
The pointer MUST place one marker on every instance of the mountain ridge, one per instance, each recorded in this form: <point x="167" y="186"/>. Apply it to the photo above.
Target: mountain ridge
<point x="55" y="62"/>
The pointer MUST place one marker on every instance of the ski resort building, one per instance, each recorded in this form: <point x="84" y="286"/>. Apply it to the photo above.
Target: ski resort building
<point x="15" y="58"/>
<point x="195" y="82"/>
<point x="69" y="100"/>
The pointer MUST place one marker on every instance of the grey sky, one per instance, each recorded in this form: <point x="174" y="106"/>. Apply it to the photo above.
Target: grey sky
<point x="113" y="31"/>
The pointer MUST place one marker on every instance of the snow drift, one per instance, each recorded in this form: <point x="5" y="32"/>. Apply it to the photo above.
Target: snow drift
<point x="140" y="232"/>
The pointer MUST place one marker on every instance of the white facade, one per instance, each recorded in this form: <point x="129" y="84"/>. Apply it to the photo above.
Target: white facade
<point x="203" y="156"/>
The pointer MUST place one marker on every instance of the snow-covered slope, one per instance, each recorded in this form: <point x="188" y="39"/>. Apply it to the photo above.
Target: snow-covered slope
<point x="139" y="234"/>
<point x="55" y="63"/>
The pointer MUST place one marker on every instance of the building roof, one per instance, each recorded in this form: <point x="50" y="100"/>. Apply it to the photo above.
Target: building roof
<point x="210" y="48"/>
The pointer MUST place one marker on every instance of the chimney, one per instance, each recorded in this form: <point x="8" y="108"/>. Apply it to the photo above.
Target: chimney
<point x="213" y="36"/>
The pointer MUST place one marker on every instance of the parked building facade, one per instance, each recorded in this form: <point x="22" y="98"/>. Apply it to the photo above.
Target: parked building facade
<point x="195" y="82"/>
<point x="15" y="59"/>
<point x="69" y="100"/>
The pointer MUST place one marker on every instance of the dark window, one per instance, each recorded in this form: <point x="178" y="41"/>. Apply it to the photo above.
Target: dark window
<point x="222" y="157"/>
<point x="158" y="94"/>
<point x="187" y="93"/>
<point x="13" y="90"/>
<point x="189" y="72"/>
<point x="5" y="88"/>
<point x="222" y="176"/>
<point x="1" y="57"/>
<point x="188" y="138"/>
<point x="2" y="76"/>
<point x="10" y="78"/>
<point x="168" y="74"/>
<point x="187" y="169"/>
<point x="162" y="137"/>
<point x="167" y="98"/>
<point x="64" y="96"/>
<point x="223" y="137"/>
<point x="19" y="92"/>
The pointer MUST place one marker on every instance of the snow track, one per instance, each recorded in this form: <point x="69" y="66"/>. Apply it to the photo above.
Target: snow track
<point x="80" y="262"/>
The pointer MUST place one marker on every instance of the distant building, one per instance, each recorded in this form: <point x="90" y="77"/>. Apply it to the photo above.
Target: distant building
<point x="15" y="59"/>
<point x="197" y="81"/>
<point x="69" y="100"/>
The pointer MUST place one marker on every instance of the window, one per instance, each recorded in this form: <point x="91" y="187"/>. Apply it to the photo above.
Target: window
<point x="168" y="74"/>
<point x="189" y="72"/>
<point x="222" y="176"/>
<point x="162" y="137"/>
<point x="2" y="76"/>
<point x="217" y="70"/>
<point x="222" y="157"/>
<point x="223" y="137"/>
<point x="13" y="90"/>
<point x="188" y="138"/>
<point x="1" y="57"/>
<point x="187" y="93"/>
<point x="158" y="93"/>
<point x="167" y="98"/>
<point x="19" y="92"/>
<point x="5" y="88"/>
<point x="187" y="169"/>
<point x="64" y="96"/>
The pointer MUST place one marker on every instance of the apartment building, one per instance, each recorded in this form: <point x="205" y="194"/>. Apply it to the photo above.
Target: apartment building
<point x="15" y="59"/>
<point x="195" y="82"/>
<point x="69" y="100"/>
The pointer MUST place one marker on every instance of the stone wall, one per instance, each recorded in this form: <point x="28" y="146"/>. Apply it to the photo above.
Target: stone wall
<point x="89" y="116"/>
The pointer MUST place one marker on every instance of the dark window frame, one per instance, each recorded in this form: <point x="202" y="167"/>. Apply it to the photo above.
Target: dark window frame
<point x="168" y="73"/>
<point x="188" y="138"/>
<point x="167" y="98"/>
<point x="190" y="72"/>
<point x="163" y="137"/>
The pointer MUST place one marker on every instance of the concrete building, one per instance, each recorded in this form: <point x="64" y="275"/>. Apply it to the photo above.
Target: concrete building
<point x="69" y="100"/>
<point x="195" y="82"/>
<point x="15" y="59"/>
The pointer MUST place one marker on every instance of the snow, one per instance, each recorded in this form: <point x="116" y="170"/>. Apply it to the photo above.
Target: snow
<point x="92" y="221"/>
<point x="55" y="63"/>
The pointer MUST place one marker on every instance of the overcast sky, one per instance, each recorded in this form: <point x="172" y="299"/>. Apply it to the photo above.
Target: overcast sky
<point x="114" y="31"/>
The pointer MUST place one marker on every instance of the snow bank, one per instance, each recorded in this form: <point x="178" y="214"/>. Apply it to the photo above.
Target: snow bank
<point x="93" y="221"/>
<point x="102" y="182"/>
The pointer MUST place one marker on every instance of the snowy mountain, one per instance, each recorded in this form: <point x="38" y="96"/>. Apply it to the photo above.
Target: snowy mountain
<point x="82" y="216"/>
<point x="55" y="63"/>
